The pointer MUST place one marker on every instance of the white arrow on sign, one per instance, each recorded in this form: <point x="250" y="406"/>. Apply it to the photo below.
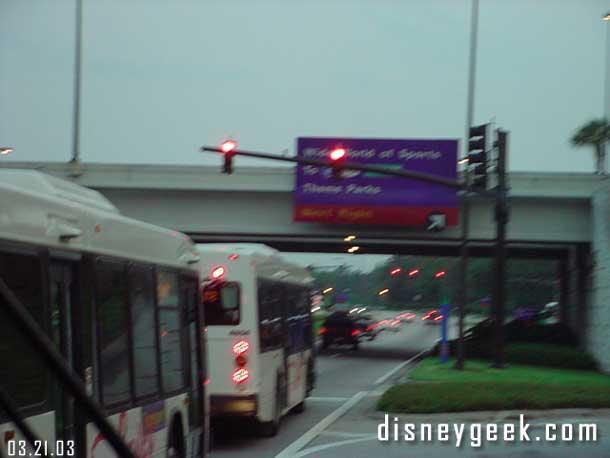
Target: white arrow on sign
<point x="436" y="222"/>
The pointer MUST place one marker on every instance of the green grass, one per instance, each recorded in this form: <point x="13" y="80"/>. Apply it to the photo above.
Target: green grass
<point x="430" y="369"/>
<point x="540" y="354"/>
<point x="438" y="388"/>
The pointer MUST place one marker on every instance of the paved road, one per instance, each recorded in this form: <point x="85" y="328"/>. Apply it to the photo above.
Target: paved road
<point x="341" y="374"/>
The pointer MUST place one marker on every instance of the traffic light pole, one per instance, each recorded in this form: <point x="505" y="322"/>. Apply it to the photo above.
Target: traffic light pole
<point x="346" y="166"/>
<point x="501" y="217"/>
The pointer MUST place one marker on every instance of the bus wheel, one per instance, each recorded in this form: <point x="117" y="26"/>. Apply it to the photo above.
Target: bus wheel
<point x="175" y="443"/>
<point x="271" y="428"/>
<point x="300" y="407"/>
<point x="310" y="379"/>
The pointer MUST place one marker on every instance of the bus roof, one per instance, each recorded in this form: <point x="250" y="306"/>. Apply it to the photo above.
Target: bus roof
<point x="48" y="211"/>
<point x="268" y="262"/>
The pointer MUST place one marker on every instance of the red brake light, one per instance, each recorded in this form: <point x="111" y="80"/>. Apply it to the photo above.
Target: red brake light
<point x="217" y="272"/>
<point x="233" y="257"/>
<point x="322" y="330"/>
<point x="241" y="347"/>
<point x="355" y="332"/>
<point x="440" y="317"/>
<point x="240" y="360"/>
<point x="240" y="375"/>
<point x="337" y="154"/>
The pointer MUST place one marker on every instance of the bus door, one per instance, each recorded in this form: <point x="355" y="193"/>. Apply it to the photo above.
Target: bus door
<point x="198" y="408"/>
<point x="62" y="293"/>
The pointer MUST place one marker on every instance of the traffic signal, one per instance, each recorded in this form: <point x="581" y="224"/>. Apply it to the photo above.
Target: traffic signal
<point x="228" y="149"/>
<point x="477" y="157"/>
<point x="337" y="157"/>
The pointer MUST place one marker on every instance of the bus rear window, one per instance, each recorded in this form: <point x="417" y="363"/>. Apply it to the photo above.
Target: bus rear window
<point x="221" y="303"/>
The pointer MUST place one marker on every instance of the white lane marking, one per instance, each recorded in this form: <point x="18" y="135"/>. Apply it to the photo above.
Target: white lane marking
<point x="327" y="399"/>
<point x="292" y="449"/>
<point x="319" y="448"/>
<point x="386" y="376"/>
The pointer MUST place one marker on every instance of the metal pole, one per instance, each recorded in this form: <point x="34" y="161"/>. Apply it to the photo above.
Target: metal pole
<point x="77" y="85"/>
<point x="348" y="166"/>
<point x="463" y="290"/>
<point x="500" y="249"/>
<point x="606" y="73"/>
<point x="606" y="91"/>
<point x="48" y="352"/>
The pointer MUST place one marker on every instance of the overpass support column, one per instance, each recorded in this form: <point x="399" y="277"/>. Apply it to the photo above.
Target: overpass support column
<point x="598" y="329"/>
<point x="564" y="289"/>
<point x="583" y="287"/>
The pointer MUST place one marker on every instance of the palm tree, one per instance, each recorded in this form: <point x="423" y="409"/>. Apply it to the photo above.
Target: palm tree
<point x="595" y="133"/>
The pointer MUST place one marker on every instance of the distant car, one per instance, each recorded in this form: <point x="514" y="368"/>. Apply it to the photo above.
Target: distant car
<point x="341" y="328"/>
<point x="406" y="317"/>
<point x="433" y="317"/>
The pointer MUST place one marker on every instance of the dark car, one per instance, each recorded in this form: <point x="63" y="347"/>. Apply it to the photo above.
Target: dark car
<point x="341" y="328"/>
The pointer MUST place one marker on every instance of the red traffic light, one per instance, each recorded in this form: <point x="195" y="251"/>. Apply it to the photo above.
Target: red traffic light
<point x="413" y="272"/>
<point x="395" y="271"/>
<point x="337" y="154"/>
<point x="440" y="274"/>
<point x="228" y="146"/>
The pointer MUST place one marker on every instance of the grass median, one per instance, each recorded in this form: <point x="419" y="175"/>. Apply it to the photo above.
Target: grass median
<point x="436" y="387"/>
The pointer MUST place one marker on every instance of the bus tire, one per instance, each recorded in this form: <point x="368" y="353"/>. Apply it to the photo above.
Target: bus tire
<point x="175" y="441"/>
<point x="300" y="407"/>
<point x="271" y="428"/>
<point x="311" y="376"/>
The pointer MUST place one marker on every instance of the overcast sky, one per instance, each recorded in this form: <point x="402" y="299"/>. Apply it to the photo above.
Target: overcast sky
<point x="160" y="77"/>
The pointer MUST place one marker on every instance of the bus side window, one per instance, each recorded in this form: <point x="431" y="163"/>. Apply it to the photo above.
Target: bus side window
<point x="173" y="371"/>
<point x="22" y="372"/>
<point x="221" y="301"/>
<point x="113" y="331"/>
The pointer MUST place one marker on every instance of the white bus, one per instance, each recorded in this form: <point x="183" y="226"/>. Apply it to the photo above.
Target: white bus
<point x="120" y="299"/>
<point x="259" y="333"/>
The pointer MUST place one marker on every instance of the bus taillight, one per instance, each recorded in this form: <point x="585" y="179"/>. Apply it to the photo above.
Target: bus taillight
<point x="241" y="347"/>
<point x="217" y="272"/>
<point x="321" y="331"/>
<point x="355" y="332"/>
<point x="240" y="375"/>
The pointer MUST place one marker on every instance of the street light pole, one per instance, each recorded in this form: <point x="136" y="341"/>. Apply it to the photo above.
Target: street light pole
<point x="463" y="290"/>
<point x="606" y="18"/>
<point x="77" y="84"/>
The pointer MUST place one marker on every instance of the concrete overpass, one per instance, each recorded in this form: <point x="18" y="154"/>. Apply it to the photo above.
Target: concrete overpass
<point x="563" y="216"/>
